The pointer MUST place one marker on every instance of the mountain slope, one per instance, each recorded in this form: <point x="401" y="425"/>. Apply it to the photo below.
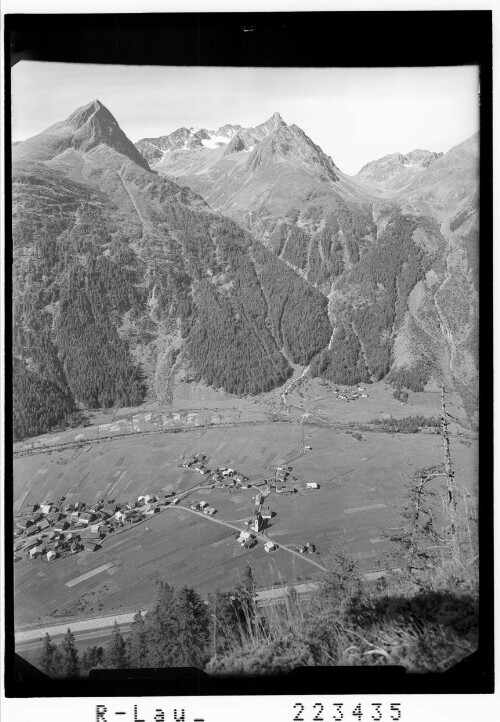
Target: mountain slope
<point x="396" y="170"/>
<point x="394" y="314"/>
<point x="263" y="174"/>
<point x="124" y="281"/>
<point x="84" y="130"/>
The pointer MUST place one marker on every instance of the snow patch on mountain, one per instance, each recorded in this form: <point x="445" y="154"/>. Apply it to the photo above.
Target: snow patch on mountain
<point x="215" y="141"/>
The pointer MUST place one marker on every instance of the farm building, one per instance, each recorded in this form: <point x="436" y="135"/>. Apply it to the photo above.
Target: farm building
<point x="270" y="547"/>
<point x="175" y="501"/>
<point x="30" y="544"/>
<point x="202" y="504"/>
<point x="266" y="513"/>
<point x="44" y="524"/>
<point x="51" y="555"/>
<point x="312" y="485"/>
<point x="257" y="499"/>
<point x="308" y="448"/>
<point x="86" y="517"/>
<point x="35" y="552"/>
<point x="91" y="547"/>
<point x="24" y="523"/>
<point x="147" y="498"/>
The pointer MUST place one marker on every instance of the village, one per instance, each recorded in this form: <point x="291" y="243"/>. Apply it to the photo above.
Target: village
<point x="49" y="530"/>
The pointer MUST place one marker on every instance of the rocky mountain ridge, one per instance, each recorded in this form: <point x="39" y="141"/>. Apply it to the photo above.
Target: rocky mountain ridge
<point x="126" y="283"/>
<point x="396" y="170"/>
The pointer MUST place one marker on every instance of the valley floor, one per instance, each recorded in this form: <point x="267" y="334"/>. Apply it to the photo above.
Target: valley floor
<point x="357" y="503"/>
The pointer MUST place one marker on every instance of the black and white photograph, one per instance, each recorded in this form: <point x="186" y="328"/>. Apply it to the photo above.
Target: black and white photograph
<point x="245" y="367"/>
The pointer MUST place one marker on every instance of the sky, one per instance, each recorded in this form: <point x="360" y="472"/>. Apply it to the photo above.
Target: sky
<point x="355" y="115"/>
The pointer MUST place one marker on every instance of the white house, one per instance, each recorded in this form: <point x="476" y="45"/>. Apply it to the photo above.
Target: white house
<point x="243" y="537"/>
<point x="35" y="552"/>
<point x="270" y="547"/>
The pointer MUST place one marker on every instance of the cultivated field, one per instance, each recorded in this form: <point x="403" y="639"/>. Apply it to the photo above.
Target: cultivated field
<point x="360" y="486"/>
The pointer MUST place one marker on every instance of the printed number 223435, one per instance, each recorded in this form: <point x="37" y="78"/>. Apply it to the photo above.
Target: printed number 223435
<point x="338" y="711"/>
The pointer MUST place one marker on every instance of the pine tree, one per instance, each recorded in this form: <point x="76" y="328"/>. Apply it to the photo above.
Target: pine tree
<point x="69" y="653"/>
<point x="162" y="628"/>
<point x="92" y="657"/>
<point x="138" y="651"/>
<point x="193" y="634"/>
<point x="46" y="658"/>
<point x="116" y="651"/>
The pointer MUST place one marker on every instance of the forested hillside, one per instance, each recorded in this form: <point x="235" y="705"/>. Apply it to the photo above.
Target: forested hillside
<point x="124" y="279"/>
<point x="102" y="271"/>
<point x="372" y="299"/>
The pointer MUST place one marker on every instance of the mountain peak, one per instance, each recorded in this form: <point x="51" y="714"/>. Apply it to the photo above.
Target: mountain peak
<point x="278" y="119"/>
<point x="88" y="127"/>
<point x="82" y="115"/>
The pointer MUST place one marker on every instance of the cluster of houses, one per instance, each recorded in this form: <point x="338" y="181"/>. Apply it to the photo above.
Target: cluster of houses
<point x="204" y="507"/>
<point x="223" y="476"/>
<point x="247" y="540"/>
<point x="197" y="463"/>
<point x="307" y="548"/>
<point x="50" y="530"/>
<point x="349" y="395"/>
